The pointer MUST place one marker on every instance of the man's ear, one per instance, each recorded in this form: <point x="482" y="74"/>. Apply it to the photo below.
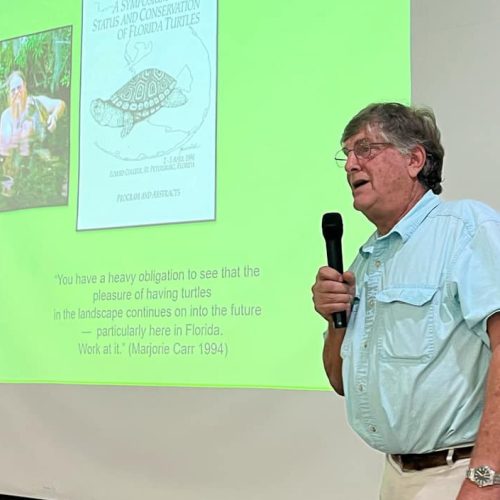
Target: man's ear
<point x="417" y="158"/>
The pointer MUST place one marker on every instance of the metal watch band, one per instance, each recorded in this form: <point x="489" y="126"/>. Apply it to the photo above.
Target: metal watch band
<point x="483" y="475"/>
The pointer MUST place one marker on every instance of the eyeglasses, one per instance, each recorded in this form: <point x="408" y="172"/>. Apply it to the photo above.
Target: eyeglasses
<point x="362" y="150"/>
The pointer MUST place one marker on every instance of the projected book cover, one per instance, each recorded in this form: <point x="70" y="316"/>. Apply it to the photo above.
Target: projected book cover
<point x="147" y="113"/>
<point x="34" y="125"/>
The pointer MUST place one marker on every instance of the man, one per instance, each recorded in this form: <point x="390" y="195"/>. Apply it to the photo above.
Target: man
<point x="419" y="362"/>
<point x="27" y="118"/>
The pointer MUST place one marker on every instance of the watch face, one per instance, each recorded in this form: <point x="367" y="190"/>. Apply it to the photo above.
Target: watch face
<point x="482" y="475"/>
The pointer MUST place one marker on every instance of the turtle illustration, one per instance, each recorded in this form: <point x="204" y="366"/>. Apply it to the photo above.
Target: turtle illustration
<point x="139" y="98"/>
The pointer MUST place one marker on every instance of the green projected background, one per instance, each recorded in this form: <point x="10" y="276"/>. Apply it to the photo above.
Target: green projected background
<point x="220" y="301"/>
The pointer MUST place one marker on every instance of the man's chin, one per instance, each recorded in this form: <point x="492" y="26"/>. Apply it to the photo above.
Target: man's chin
<point x="363" y="205"/>
<point x="359" y="203"/>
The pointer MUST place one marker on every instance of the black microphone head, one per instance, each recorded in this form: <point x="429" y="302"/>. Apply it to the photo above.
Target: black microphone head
<point x="332" y="226"/>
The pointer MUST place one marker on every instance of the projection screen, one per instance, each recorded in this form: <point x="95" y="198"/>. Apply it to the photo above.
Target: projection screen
<point x="165" y="166"/>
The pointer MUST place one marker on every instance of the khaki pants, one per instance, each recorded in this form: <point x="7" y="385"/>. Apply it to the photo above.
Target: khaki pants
<point x="436" y="483"/>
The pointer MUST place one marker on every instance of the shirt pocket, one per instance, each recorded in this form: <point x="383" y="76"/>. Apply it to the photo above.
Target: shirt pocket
<point x="405" y="323"/>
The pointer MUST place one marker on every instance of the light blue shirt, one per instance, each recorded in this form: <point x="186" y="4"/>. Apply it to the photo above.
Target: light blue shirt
<point x="416" y="350"/>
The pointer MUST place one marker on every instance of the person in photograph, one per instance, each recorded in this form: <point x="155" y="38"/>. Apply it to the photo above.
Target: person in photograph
<point x="27" y="118"/>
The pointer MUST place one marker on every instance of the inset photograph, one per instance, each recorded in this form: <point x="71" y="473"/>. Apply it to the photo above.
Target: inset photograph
<point x="35" y="84"/>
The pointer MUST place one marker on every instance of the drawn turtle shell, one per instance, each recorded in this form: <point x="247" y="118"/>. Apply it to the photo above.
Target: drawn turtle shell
<point x="139" y="98"/>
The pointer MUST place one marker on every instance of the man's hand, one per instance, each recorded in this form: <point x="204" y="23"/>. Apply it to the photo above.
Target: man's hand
<point x="333" y="292"/>
<point x="52" y="122"/>
<point x="470" y="491"/>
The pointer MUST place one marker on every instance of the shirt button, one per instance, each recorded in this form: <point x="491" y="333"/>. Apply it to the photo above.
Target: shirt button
<point x="377" y="263"/>
<point x="361" y="387"/>
<point x="372" y="428"/>
<point x="370" y="303"/>
<point x="365" y="345"/>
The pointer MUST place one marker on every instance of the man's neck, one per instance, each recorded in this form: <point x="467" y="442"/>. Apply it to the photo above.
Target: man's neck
<point x="388" y="221"/>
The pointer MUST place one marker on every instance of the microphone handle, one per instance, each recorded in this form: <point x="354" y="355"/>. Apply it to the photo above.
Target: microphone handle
<point x="334" y="256"/>
<point x="340" y="319"/>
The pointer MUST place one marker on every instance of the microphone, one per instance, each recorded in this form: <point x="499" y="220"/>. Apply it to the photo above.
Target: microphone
<point x="332" y="232"/>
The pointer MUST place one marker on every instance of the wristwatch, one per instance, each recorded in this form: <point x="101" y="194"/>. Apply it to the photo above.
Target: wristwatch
<point x="483" y="475"/>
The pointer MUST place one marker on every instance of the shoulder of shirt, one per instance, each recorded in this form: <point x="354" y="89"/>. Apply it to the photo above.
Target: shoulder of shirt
<point x="472" y="212"/>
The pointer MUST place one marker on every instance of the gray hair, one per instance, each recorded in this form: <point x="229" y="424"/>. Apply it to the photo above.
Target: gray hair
<point x="405" y="127"/>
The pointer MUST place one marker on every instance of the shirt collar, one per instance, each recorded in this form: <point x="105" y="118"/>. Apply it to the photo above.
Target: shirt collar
<point x="409" y="223"/>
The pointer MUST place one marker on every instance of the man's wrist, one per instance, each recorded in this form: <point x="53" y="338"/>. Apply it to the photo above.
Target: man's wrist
<point x="483" y="475"/>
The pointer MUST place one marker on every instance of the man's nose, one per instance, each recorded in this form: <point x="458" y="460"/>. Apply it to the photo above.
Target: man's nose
<point x="352" y="162"/>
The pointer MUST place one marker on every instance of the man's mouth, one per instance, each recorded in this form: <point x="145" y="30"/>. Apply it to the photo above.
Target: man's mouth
<point x="357" y="184"/>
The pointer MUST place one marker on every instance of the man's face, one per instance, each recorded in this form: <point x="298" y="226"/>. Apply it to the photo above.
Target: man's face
<point x="381" y="184"/>
<point x="17" y="89"/>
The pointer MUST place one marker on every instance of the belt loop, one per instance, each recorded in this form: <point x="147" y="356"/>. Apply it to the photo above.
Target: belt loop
<point x="449" y="457"/>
